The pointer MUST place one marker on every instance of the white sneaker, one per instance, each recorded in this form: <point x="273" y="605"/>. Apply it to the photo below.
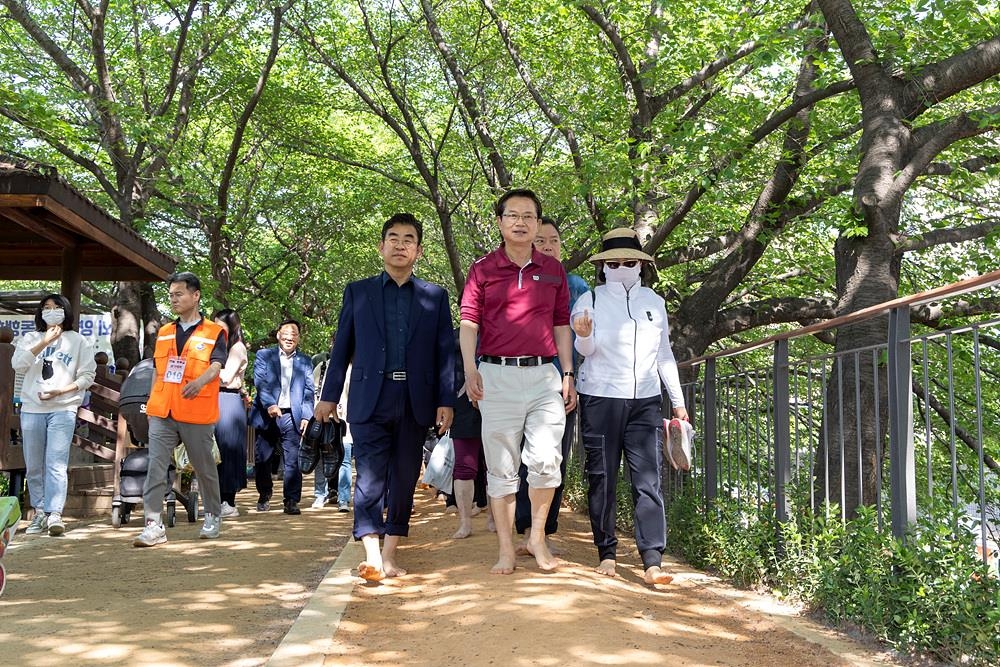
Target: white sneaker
<point x="679" y="435"/>
<point x="211" y="528"/>
<point x="228" y="511"/>
<point x="154" y="533"/>
<point x="37" y="525"/>
<point x="56" y="525"/>
<point x="318" y="503"/>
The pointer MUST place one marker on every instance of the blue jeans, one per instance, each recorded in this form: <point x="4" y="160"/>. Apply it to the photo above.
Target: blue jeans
<point x="47" y="439"/>
<point x="321" y="486"/>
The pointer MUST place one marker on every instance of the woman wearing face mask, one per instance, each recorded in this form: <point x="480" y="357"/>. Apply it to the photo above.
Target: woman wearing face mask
<point x="58" y="366"/>
<point x="622" y="332"/>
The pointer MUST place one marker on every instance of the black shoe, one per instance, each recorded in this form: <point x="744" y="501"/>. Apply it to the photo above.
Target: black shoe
<point x="263" y="504"/>
<point x="292" y="507"/>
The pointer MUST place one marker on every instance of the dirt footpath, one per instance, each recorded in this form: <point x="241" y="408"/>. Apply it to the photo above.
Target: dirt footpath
<point x="449" y="610"/>
<point x="90" y="598"/>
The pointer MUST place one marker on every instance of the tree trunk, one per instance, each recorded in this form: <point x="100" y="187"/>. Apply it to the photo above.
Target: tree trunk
<point x="848" y="453"/>
<point x="135" y="303"/>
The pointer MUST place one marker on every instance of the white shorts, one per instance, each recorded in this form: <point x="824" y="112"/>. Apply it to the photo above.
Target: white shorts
<point x="522" y="404"/>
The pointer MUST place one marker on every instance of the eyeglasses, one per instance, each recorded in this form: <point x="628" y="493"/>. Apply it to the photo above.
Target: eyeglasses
<point x="405" y="243"/>
<point x="628" y="264"/>
<point x="523" y="217"/>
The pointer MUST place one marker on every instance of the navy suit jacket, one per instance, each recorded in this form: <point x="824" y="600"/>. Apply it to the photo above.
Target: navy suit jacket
<point x="430" y="358"/>
<point x="267" y="380"/>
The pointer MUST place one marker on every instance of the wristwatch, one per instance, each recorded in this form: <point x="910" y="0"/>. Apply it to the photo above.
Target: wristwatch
<point x="569" y="374"/>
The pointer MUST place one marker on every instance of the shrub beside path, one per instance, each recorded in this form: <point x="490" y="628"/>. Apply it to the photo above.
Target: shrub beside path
<point x="281" y="590"/>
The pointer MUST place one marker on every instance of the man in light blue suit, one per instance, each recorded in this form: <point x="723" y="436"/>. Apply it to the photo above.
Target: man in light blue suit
<point x="396" y="330"/>
<point x="281" y="409"/>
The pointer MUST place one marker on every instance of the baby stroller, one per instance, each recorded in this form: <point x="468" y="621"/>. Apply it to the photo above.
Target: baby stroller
<point x="132" y="472"/>
<point x="10" y="514"/>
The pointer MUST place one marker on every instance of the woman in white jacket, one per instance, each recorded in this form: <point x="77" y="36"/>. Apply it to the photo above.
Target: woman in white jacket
<point x="622" y="332"/>
<point x="58" y="366"/>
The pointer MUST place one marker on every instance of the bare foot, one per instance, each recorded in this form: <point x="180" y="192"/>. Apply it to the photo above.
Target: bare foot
<point x="491" y="525"/>
<point x="370" y="572"/>
<point x="462" y="533"/>
<point x="655" y="575"/>
<point x="546" y="561"/>
<point x="391" y="569"/>
<point x="523" y="550"/>
<point x="607" y="568"/>
<point x="505" y="565"/>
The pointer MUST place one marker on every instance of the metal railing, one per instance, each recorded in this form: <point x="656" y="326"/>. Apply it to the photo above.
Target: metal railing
<point x="901" y="423"/>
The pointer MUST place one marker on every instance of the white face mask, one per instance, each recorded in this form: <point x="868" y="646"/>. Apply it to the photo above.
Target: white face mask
<point x="53" y="317"/>
<point x="623" y="274"/>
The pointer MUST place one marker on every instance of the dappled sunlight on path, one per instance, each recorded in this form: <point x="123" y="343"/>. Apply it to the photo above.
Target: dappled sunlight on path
<point x="451" y="611"/>
<point x="91" y="598"/>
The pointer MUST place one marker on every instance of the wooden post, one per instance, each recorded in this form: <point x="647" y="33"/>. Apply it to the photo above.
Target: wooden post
<point x="71" y="278"/>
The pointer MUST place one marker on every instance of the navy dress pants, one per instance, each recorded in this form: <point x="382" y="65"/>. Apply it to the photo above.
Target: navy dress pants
<point x="282" y="432"/>
<point x="388" y="452"/>
<point x="609" y="428"/>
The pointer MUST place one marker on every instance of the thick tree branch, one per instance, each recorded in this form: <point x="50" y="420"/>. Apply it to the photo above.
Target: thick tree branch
<point x="746" y="316"/>
<point x="239" y="131"/>
<point x="773" y="123"/>
<point x="963" y="436"/>
<point x="930" y="315"/>
<point x="764" y="221"/>
<point x="658" y="102"/>
<point x="953" y="235"/>
<point x="218" y="254"/>
<point x="79" y="79"/>
<point x="629" y="70"/>
<point x="175" y="59"/>
<point x="972" y="165"/>
<point x="859" y="51"/>
<point x="479" y="122"/>
<point x="939" y="81"/>
<point x="554" y="117"/>
<point x="59" y="146"/>
<point x="931" y="139"/>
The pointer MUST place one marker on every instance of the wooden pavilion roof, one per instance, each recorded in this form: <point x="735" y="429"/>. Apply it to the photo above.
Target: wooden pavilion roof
<point x="45" y="223"/>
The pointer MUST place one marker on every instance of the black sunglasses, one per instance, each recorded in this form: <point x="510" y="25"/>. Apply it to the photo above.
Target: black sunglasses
<point x="628" y="264"/>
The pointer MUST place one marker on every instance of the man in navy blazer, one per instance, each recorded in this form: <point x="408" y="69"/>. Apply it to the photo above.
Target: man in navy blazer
<point x="281" y="409"/>
<point x="395" y="329"/>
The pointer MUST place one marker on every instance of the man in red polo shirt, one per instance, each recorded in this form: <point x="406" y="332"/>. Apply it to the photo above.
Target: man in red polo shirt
<point x="515" y="308"/>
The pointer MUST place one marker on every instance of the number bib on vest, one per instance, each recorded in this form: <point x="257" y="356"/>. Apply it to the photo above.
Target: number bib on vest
<point x="175" y="370"/>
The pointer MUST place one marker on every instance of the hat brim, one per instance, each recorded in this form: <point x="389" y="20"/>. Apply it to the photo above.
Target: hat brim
<point x="621" y="253"/>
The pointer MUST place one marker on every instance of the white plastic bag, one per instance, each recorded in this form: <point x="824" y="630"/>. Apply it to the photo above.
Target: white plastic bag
<point x="183" y="463"/>
<point x="440" y="469"/>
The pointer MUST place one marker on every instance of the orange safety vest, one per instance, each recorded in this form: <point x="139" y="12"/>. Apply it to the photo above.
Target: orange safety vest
<point x="165" y="399"/>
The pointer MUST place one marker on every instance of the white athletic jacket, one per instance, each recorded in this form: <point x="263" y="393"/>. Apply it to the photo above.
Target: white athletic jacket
<point x="70" y="359"/>
<point x="628" y="351"/>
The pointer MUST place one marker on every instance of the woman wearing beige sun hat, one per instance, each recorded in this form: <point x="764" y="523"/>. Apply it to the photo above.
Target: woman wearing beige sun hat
<point x="622" y="332"/>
